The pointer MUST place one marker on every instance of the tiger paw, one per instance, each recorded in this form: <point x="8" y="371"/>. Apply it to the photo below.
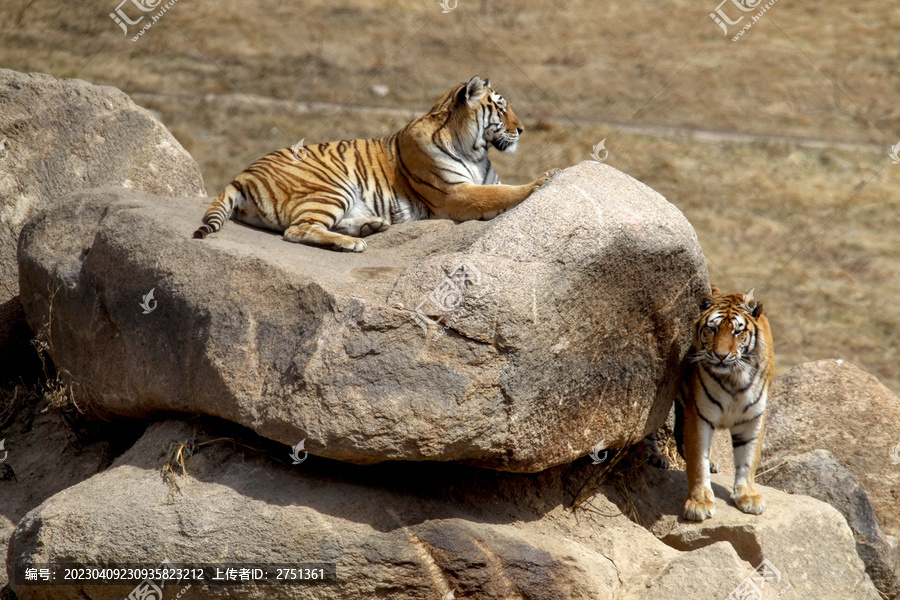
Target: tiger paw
<point x="546" y="177"/>
<point x="376" y="225"/>
<point x="490" y="215"/>
<point x="752" y="504"/>
<point x="699" y="510"/>
<point x="349" y="244"/>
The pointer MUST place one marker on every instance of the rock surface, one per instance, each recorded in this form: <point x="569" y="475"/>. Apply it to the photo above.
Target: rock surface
<point x="45" y="452"/>
<point x="804" y="546"/>
<point x="399" y="531"/>
<point x="838" y="407"/>
<point x="560" y="322"/>
<point x="819" y="475"/>
<point x="413" y="531"/>
<point x="713" y="571"/>
<point x="58" y="136"/>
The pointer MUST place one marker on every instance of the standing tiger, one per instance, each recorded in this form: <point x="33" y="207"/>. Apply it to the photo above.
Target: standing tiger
<point x="725" y="386"/>
<point x="339" y="192"/>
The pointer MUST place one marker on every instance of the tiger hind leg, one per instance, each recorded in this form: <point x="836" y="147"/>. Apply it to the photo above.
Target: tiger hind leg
<point x="316" y="234"/>
<point x="313" y="218"/>
<point x="652" y="455"/>
<point x="361" y="226"/>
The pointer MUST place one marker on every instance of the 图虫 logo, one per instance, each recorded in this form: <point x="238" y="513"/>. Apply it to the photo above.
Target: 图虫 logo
<point x="894" y="154"/>
<point x="298" y="151"/>
<point x="296" y="450"/>
<point x="447" y="297"/>
<point x="598" y="149"/>
<point x="148" y="303"/>
<point x="595" y="453"/>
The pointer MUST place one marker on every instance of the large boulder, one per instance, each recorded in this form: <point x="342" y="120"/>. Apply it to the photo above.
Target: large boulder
<point x="46" y="451"/>
<point x="833" y="405"/>
<point x="820" y="475"/>
<point x="411" y="531"/>
<point x="404" y="531"/>
<point x="517" y="344"/>
<point x="799" y="547"/>
<point x="58" y="136"/>
<point x="714" y="571"/>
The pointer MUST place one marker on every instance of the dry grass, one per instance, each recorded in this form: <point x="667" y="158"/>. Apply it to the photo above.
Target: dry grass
<point x="179" y="451"/>
<point x="814" y="68"/>
<point x="54" y="387"/>
<point x="12" y="398"/>
<point x="814" y="231"/>
<point x="669" y="449"/>
<point x="176" y="455"/>
<point x="611" y="465"/>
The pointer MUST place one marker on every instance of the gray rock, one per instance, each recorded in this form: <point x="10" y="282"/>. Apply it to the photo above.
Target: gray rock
<point x="804" y="546"/>
<point x="820" y="475"/>
<point x="416" y="530"/>
<point x="713" y="571"/>
<point x="838" y="407"/>
<point x="403" y="531"/>
<point x="560" y="331"/>
<point x="45" y="452"/>
<point x="58" y="136"/>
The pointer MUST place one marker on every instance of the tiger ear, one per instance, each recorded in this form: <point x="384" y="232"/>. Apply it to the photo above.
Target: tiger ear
<point x="473" y="89"/>
<point x="705" y="302"/>
<point x="752" y="304"/>
<point x="487" y="83"/>
<point x="757" y="311"/>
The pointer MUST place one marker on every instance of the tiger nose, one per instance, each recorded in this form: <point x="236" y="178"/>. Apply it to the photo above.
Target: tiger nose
<point x="520" y="129"/>
<point x="722" y="356"/>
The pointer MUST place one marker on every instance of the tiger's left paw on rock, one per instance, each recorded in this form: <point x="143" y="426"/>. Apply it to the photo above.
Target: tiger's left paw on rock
<point x="547" y="176"/>
<point x="753" y="504"/>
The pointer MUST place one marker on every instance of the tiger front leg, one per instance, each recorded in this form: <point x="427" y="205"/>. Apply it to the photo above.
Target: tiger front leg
<point x="701" y="503"/>
<point x="746" y="441"/>
<point x="468" y="201"/>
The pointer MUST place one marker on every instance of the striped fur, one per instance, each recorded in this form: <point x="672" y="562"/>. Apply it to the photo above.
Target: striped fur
<point x="339" y="192"/>
<point x="725" y="386"/>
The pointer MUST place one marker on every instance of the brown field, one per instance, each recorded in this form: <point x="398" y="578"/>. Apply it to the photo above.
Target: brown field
<point x="814" y="227"/>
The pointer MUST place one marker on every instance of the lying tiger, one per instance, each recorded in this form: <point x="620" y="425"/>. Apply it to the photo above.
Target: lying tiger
<point x="339" y="192"/>
<point x="725" y="386"/>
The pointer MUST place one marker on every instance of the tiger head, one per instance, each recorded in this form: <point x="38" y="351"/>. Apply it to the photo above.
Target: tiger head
<point x="726" y="336"/>
<point x="483" y="116"/>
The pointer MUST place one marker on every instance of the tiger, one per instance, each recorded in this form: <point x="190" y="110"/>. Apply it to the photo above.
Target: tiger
<point x="334" y="194"/>
<point x="725" y="384"/>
